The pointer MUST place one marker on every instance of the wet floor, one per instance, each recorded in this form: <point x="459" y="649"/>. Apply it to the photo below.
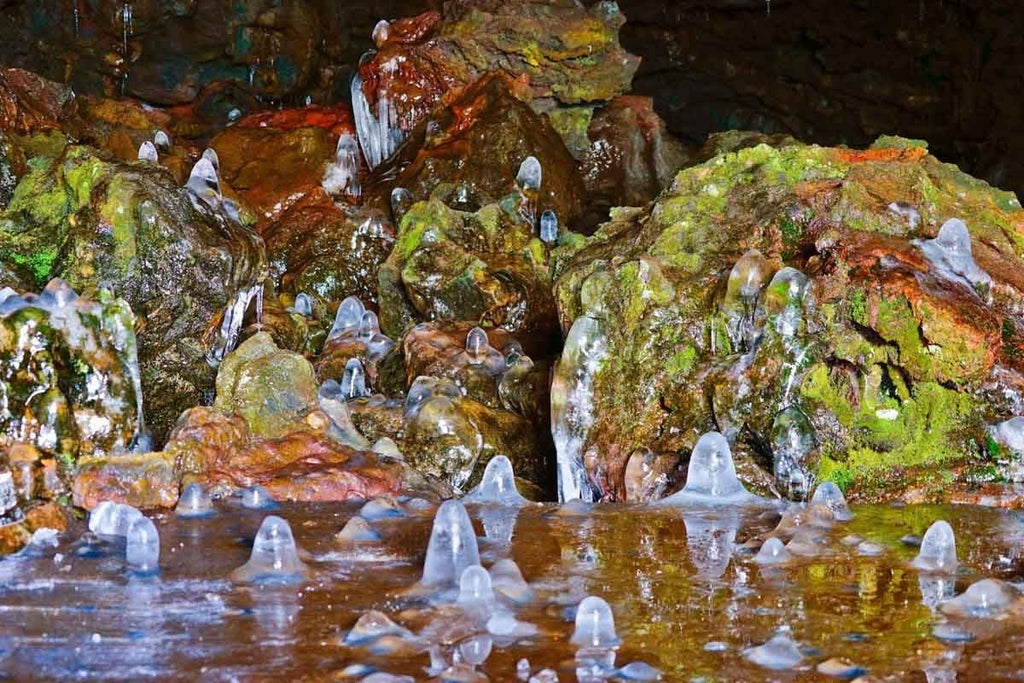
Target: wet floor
<point x="686" y="594"/>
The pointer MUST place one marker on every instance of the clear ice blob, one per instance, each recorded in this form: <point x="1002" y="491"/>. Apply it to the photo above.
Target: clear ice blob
<point x="938" y="549"/>
<point x="142" y="548"/>
<point x="257" y="498"/>
<point x="372" y="626"/>
<point x="203" y="182"/>
<point x="348" y="318"/>
<point x="950" y="253"/>
<point x="161" y="140"/>
<point x="1010" y="433"/>
<point x="211" y="155"/>
<point x="831" y="496"/>
<point x="792" y="442"/>
<point x="523" y="669"/>
<point x="779" y="653"/>
<point x="785" y="300"/>
<point x="194" y="502"/>
<point x="477" y="345"/>
<point x="595" y="625"/>
<point x="906" y="212"/>
<point x="747" y="277"/>
<point x="498" y="485"/>
<point x="401" y="201"/>
<point x="711" y="477"/>
<point x="357" y="530"/>
<point x="508" y="582"/>
<point x="368" y="326"/>
<point x="383" y="507"/>
<point x="982" y="599"/>
<point x="303" y="305"/>
<point x="452" y="546"/>
<point x="353" y="382"/>
<point x="637" y="671"/>
<point x="475" y="590"/>
<point x="476" y="650"/>
<point x="548" y="227"/>
<point x="112" y="519"/>
<point x="274" y="558"/>
<point x="529" y="175"/>
<point x="773" y="551"/>
<point x="147" y="152"/>
<point x="342" y="175"/>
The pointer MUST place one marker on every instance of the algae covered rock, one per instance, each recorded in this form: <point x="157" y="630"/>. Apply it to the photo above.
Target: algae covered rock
<point x="129" y="227"/>
<point x="69" y="375"/>
<point x="804" y="302"/>
<point x="270" y="388"/>
<point x="486" y="267"/>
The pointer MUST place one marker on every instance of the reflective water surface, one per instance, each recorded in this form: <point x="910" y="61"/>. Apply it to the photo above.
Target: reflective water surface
<point x="687" y="597"/>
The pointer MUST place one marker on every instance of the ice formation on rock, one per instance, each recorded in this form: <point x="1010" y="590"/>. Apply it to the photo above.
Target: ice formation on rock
<point x="950" y="252"/>
<point x="780" y="652"/>
<point x="831" y="496"/>
<point x="274" y="558"/>
<point x="938" y="549"/>
<point x="194" y="502"/>
<point x="711" y="477"/>
<point x="548" y="227"/>
<point x="452" y="546"/>
<point x="773" y="551"/>
<point x="142" y="546"/>
<point x="112" y="519"/>
<point x="498" y="484"/>
<point x="147" y="152"/>
<point x="342" y="175"/>
<point x="353" y="382"/>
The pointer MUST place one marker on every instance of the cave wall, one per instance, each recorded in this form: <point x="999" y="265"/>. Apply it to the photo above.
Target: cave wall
<point x="824" y="71"/>
<point x="832" y="72"/>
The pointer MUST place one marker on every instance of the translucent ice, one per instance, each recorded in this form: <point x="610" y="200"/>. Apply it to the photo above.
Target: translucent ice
<point x="508" y="582"/>
<point x="779" y="653"/>
<point x="711" y="539"/>
<point x="529" y="175"/>
<point x="372" y="626"/>
<point x="257" y="498"/>
<point x="498" y="485"/>
<point x="194" y="502"/>
<point x="950" y="253"/>
<point x="211" y="155"/>
<point x="906" y="212"/>
<point x="938" y="549"/>
<point x="142" y="549"/>
<point x="368" y="326"/>
<point x="204" y="183"/>
<point x="452" y="546"/>
<point x="637" y="671"/>
<point x="595" y="625"/>
<point x="357" y="530"/>
<point x="274" y="558"/>
<point x="477" y="345"/>
<point x="401" y="200"/>
<point x="380" y="32"/>
<point x="424" y="388"/>
<point x="773" y="551"/>
<point x="548" y="227"/>
<point x="112" y="519"/>
<point x="348" y="318"/>
<point x="384" y="507"/>
<point x="1010" y="433"/>
<point x="746" y="279"/>
<point x="476" y="650"/>
<point x="792" y="443"/>
<point x="353" y="382"/>
<point x="161" y="140"/>
<point x="378" y="131"/>
<point x="985" y="598"/>
<point x="572" y="405"/>
<point x="711" y="477"/>
<point x="303" y="305"/>
<point x="785" y="300"/>
<point x="342" y="174"/>
<point x="475" y="591"/>
<point x="831" y="496"/>
<point x="147" y="152"/>
<point x="645" y="477"/>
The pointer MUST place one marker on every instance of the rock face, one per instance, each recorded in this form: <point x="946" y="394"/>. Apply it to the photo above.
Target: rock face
<point x="565" y="54"/>
<point x="78" y="215"/>
<point x="796" y="299"/>
<point x="69" y="375"/>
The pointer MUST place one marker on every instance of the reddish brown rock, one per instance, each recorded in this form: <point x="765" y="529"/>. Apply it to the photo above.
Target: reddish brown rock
<point x="143" y="481"/>
<point x="30" y="103"/>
